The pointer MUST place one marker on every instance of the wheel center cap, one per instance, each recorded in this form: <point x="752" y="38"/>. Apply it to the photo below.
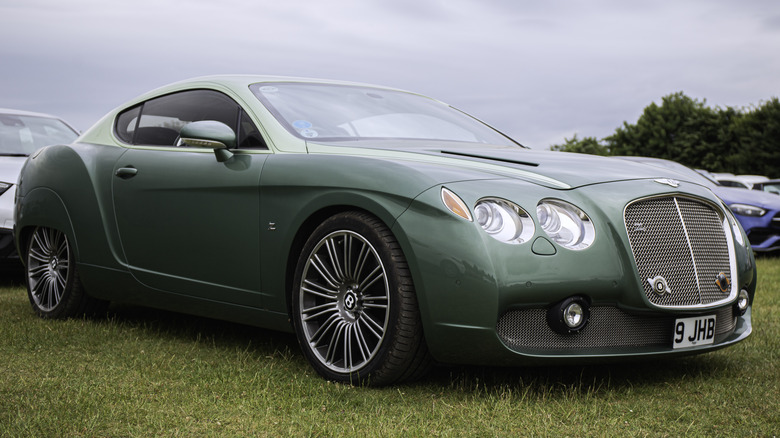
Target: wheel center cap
<point x="53" y="265"/>
<point x="350" y="300"/>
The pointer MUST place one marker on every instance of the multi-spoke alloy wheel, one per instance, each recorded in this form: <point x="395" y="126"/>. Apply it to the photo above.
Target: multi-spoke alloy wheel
<point x="53" y="285"/>
<point x="344" y="301"/>
<point x="48" y="267"/>
<point x="354" y="307"/>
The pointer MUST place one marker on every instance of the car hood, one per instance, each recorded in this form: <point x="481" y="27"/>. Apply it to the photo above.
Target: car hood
<point x="10" y="168"/>
<point x="553" y="169"/>
<point x="735" y="195"/>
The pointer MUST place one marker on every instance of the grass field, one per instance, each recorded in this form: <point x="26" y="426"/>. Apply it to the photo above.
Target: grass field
<point x="143" y="372"/>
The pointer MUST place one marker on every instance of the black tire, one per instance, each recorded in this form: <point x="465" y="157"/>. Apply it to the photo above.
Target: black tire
<point x="53" y="285"/>
<point x="354" y="306"/>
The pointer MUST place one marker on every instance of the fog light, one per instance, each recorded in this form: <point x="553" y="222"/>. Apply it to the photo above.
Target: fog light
<point x="573" y="315"/>
<point x="743" y="301"/>
<point x="569" y="316"/>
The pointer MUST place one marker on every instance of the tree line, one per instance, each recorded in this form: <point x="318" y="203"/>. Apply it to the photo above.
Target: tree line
<point x="682" y="129"/>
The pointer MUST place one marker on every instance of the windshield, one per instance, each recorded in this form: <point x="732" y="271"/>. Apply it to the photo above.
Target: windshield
<point x="328" y="112"/>
<point x="773" y="187"/>
<point x="23" y="135"/>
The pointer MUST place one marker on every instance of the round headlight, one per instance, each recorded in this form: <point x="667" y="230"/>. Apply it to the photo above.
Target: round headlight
<point x="565" y="224"/>
<point x="504" y="221"/>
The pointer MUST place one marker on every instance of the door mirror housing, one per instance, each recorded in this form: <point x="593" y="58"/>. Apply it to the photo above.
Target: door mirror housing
<point x="208" y="134"/>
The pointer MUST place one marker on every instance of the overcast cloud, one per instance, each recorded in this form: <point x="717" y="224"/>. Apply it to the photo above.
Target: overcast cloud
<point x="539" y="71"/>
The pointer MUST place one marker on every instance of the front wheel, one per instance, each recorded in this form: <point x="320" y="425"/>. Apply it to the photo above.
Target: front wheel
<point x="53" y="284"/>
<point x="354" y="306"/>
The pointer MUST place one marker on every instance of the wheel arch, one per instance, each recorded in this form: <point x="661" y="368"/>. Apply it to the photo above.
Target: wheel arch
<point x="42" y="207"/>
<point x="303" y="233"/>
<point x="311" y="209"/>
<point x="395" y="350"/>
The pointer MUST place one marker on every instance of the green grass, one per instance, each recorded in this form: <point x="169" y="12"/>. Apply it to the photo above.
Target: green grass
<point x="144" y="372"/>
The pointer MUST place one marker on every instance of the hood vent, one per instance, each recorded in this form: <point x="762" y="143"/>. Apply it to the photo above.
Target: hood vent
<point x="485" y="157"/>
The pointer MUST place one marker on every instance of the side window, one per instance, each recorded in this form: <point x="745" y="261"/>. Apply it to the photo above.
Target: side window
<point x="158" y="121"/>
<point x="126" y="123"/>
<point x="248" y="135"/>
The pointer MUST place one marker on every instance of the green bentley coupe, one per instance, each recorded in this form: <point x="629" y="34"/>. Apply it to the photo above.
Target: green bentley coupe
<point x="387" y="230"/>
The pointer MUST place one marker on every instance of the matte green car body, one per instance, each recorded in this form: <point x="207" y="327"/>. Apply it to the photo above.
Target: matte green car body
<point x="227" y="246"/>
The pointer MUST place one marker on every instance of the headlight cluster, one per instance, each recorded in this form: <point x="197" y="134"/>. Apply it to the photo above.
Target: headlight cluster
<point x="747" y="210"/>
<point x="505" y="221"/>
<point x="565" y="224"/>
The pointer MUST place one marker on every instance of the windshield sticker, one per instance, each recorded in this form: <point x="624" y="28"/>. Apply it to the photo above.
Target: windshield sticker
<point x="268" y="89"/>
<point x="308" y="133"/>
<point x="301" y="124"/>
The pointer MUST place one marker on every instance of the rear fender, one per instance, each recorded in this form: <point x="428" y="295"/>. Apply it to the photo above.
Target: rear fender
<point x="42" y="207"/>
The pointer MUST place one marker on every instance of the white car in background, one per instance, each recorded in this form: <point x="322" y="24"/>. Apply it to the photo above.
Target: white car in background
<point x="739" y="181"/>
<point x="21" y="134"/>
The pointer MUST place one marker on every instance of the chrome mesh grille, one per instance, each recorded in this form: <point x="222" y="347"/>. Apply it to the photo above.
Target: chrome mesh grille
<point x="609" y="328"/>
<point x="682" y="240"/>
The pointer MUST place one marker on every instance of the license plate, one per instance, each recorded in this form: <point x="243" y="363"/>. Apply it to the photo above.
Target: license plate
<point x="690" y="332"/>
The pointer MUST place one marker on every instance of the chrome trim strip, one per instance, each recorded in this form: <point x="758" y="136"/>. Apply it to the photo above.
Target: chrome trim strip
<point x="690" y="248"/>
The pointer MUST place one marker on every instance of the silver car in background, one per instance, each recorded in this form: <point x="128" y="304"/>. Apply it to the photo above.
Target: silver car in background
<point x="21" y="134"/>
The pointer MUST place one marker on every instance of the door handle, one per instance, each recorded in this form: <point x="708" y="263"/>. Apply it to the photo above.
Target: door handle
<point x="126" y="172"/>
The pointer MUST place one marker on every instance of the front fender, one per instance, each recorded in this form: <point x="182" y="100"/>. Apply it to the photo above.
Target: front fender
<point x="294" y="202"/>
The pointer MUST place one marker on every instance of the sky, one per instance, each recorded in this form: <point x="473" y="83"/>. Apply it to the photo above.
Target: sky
<point x="539" y="71"/>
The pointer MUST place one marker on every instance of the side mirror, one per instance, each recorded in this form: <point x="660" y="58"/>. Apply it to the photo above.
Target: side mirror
<point x="209" y="134"/>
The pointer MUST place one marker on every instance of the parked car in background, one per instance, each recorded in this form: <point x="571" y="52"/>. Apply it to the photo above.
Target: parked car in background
<point x="768" y="186"/>
<point x="386" y="229"/>
<point x="739" y="181"/>
<point x="758" y="212"/>
<point x="21" y="134"/>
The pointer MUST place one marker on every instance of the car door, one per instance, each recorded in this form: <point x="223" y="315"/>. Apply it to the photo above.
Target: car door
<point x="187" y="223"/>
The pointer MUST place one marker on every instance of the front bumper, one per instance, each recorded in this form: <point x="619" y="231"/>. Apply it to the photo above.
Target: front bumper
<point x="484" y="302"/>
<point x="763" y="232"/>
<point x="600" y="341"/>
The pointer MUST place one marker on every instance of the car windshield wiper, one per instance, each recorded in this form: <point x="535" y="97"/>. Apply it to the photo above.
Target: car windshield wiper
<point x="4" y="154"/>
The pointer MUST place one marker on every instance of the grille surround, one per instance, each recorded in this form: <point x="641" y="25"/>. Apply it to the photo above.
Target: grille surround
<point x="685" y="240"/>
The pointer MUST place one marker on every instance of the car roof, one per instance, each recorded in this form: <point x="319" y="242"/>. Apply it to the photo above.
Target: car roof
<point x="15" y="112"/>
<point x="769" y="181"/>
<point x="238" y="81"/>
<point x="250" y="79"/>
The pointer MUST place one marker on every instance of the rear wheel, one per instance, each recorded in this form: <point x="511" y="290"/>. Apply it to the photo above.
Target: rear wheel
<point x="354" y="306"/>
<point x="53" y="284"/>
